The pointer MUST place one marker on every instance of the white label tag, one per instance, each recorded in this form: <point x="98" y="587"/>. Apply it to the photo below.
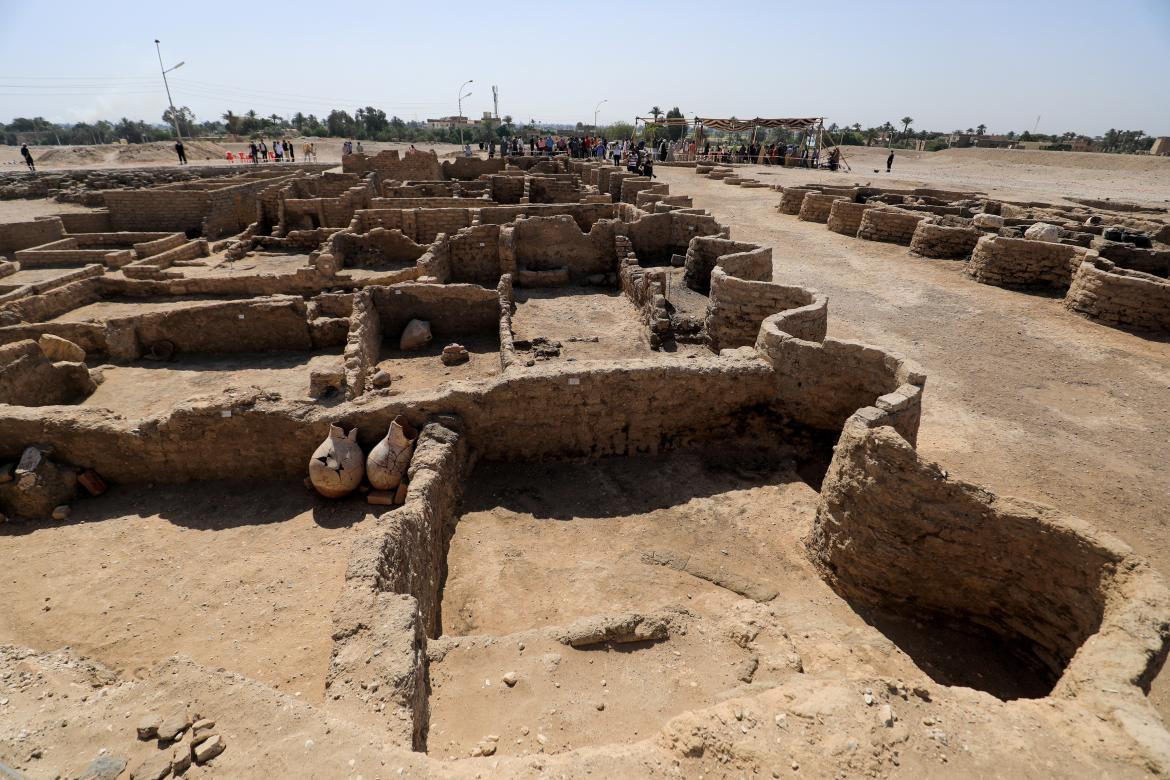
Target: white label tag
<point x="574" y="381"/>
<point x="225" y="412"/>
<point x="241" y="316"/>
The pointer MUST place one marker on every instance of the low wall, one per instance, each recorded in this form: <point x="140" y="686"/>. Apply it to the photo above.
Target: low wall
<point x="362" y="344"/>
<point x="941" y="241"/>
<point x="815" y="206"/>
<point x="1120" y="297"/>
<point x="792" y="198"/>
<point x="30" y="378"/>
<point x="549" y="243"/>
<point x="891" y="225"/>
<point x="453" y="310"/>
<point x="585" y="214"/>
<point x="845" y="217"/>
<point x="379" y="246"/>
<point x="1020" y="262"/>
<point x="896" y="533"/>
<point x="86" y="221"/>
<point x="1150" y="261"/>
<point x="22" y="235"/>
<point x="704" y="253"/>
<point x="738" y="307"/>
<point x="474" y="255"/>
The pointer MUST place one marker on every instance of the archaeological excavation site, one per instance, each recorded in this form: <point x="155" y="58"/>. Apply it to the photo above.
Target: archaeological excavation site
<point x="526" y="467"/>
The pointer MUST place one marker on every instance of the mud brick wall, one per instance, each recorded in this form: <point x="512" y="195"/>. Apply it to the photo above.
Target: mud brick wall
<point x="507" y="189"/>
<point x="845" y="217"/>
<point x="1020" y="262"/>
<point x="56" y="299"/>
<point x="585" y="214"/>
<point x="231" y="209"/>
<point x="279" y="322"/>
<point x="453" y="310"/>
<point x="893" y="226"/>
<point x="22" y="235"/>
<point x="379" y="244"/>
<point x="632" y="186"/>
<point x="390" y="600"/>
<point x="86" y="222"/>
<point x="738" y="307"/>
<point x="70" y="252"/>
<point x="148" y="247"/>
<point x="747" y="261"/>
<point x="616" y="178"/>
<point x="423" y="203"/>
<point x="422" y="166"/>
<point x="1150" y="261"/>
<point x="815" y="207"/>
<point x="431" y="222"/>
<point x="548" y="243"/>
<point x="792" y="199"/>
<point x="475" y="255"/>
<point x="468" y="168"/>
<point x="362" y="344"/>
<point x="428" y="189"/>
<point x="1120" y="297"/>
<point x="542" y="189"/>
<point x="931" y="240"/>
<point x="895" y="532"/>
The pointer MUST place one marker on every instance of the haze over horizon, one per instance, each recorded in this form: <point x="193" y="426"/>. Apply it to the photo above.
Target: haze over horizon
<point x="946" y="64"/>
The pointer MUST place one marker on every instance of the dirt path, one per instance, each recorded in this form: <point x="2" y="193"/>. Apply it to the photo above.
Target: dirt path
<point x="1022" y="396"/>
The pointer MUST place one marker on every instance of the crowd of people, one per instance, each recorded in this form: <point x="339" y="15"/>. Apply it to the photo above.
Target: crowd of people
<point x="282" y="150"/>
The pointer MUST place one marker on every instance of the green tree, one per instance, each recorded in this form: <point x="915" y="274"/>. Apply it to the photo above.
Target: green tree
<point x="981" y="129"/>
<point x="675" y="132"/>
<point x="906" y="122"/>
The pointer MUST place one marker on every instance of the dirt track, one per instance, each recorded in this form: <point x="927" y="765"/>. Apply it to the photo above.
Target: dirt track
<point x="1022" y="396"/>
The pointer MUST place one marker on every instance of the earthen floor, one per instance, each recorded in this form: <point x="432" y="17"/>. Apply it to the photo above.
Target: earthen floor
<point x="153" y="388"/>
<point x="422" y="369"/>
<point x="108" y="309"/>
<point x="574" y="315"/>
<point x="541" y="546"/>
<point x="236" y="575"/>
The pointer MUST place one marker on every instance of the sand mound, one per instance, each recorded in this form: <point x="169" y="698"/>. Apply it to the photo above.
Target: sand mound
<point x="69" y="155"/>
<point x="164" y="151"/>
<point x="1096" y="161"/>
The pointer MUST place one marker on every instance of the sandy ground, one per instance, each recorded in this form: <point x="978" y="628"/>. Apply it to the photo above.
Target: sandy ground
<point x="1022" y="396"/>
<point x="28" y="210"/>
<point x="240" y="576"/>
<point x="589" y="323"/>
<point x="49" y="158"/>
<point x="422" y="369"/>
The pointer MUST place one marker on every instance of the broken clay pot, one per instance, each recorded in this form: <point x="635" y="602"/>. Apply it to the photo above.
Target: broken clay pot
<point x="390" y="457"/>
<point x="336" y="466"/>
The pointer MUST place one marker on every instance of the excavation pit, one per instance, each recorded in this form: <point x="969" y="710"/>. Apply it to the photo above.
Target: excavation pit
<point x="423" y="369"/>
<point x="588" y="323"/>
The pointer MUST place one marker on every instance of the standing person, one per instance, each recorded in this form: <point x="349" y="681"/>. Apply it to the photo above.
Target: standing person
<point x="491" y="148"/>
<point x="290" y="151"/>
<point x="28" y="160"/>
<point x="179" y="150"/>
<point x="305" y="151"/>
<point x="548" y="145"/>
<point x="263" y="150"/>
<point x="890" y="161"/>
<point x="254" y="152"/>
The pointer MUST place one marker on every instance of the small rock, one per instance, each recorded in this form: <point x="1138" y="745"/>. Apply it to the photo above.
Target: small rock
<point x="510" y="679"/>
<point x="886" y="716"/>
<point x="155" y="767"/>
<point x="173" y="723"/>
<point x="206" y="724"/>
<point x="380" y="498"/>
<point x="104" y="767"/>
<point x="454" y="354"/>
<point x="148" y="727"/>
<point x="868" y="697"/>
<point x="181" y="758"/>
<point x="62" y="512"/>
<point x="600" y="706"/>
<point x="92" y="482"/>
<point x="487" y="748"/>
<point x="381" y="378"/>
<point x="56" y="348"/>
<point x="209" y="748"/>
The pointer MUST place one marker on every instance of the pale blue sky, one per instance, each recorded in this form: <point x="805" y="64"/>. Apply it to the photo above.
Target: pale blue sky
<point x="1079" y="65"/>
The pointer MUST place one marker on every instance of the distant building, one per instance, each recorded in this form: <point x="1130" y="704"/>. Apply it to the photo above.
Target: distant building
<point x="1161" y="145"/>
<point x="449" y="121"/>
<point x="963" y="140"/>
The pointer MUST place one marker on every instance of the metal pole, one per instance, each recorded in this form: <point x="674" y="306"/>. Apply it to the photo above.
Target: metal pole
<point x="460" y="105"/>
<point x="174" y="119"/>
<point x="595" y="110"/>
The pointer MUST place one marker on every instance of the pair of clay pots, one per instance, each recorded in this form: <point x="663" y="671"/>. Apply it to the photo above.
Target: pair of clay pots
<point x="336" y="466"/>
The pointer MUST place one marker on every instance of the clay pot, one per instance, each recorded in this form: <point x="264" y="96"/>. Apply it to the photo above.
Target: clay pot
<point x="336" y="466"/>
<point x="390" y="458"/>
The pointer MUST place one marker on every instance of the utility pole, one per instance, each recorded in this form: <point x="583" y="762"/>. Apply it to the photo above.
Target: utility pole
<point x="165" y="71"/>
<point x="496" y="100"/>
<point x="595" y="110"/>
<point x="459" y="118"/>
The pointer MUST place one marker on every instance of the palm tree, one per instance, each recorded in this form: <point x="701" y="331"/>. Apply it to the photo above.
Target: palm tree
<point x="655" y="112"/>
<point x="906" y="121"/>
<point x="981" y="129"/>
<point x="870" y="134"/>
<point x="233" y="122"/>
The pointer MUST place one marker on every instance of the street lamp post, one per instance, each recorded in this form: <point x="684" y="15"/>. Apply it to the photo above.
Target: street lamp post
<point x="595" y="110"/>
<point x="460" y="117"/>
<point x="165" y="71"/>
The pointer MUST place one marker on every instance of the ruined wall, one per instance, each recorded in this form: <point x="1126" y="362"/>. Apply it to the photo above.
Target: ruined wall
<point x="548" y="243"/>
<point x="585" y="214"/>
<point x="895" y="532"/>
<point x="362" y="344"/>
<point x="55" y="301"/>
<point x="21" y="235"/>
<point x="507" y="189"/>
<point x="632" y="186"/>
<point x="475" y="255"/>
<point x="1150" y="261"/>
<point x="223" y="210"/>
<point x="468" y="168"/>
<point x="279" y="322"/>
<point x="453" y="310"/>
<point x="747" y="261"/>
<point x="738" y="307"/>
<point x="86" y="221"/>
<point x="1120" y="297"/>
<point x="390" y="601"/>
<point x="891" y="225"/>
<point x="941" y="241"/>
<point x="546" y="189"/>
<point x="845" y="217"/>
<point x="792" y="199"/>
<point x="378" y="247"/>
<point x="1020" y="262"/>
<point x="815" y="206"/>
<point x="419" y="166"/>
